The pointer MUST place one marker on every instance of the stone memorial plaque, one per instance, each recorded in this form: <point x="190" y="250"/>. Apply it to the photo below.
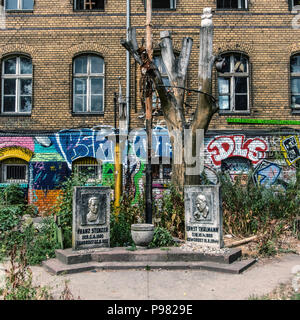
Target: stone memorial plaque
<point x="91" y="217"/>
<point x="203" y="215"/>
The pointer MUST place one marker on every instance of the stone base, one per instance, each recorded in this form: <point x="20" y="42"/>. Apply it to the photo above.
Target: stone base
<point x="68" y="261"/>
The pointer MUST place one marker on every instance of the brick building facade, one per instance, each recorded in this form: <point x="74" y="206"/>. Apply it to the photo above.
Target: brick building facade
<point x="60" y="65"/>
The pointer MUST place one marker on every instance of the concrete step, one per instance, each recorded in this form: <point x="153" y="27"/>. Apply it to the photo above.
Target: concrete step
<point x="175" y="254"/>
<point x="56" y="267"/>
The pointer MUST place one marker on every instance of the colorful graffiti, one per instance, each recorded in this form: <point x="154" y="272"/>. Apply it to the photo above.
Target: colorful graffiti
<point x="223" y="147"/>
<point x="266" y="173"/>
<point x="290" y="148"/>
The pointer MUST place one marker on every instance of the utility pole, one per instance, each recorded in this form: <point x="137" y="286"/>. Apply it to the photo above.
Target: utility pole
<point x="149" y="48"/>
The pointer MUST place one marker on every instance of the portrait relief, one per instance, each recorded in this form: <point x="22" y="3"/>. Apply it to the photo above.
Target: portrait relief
<point x="202" y="208"/>
<point x="93" y="213"/>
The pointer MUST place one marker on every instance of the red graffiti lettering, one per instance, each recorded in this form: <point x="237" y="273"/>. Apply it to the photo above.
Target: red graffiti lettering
<point x="224" y="147"/>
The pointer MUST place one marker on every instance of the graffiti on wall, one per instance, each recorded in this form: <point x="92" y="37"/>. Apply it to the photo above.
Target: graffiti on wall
<point x="223" y="147"/>
<point x="290" y="148"/>
<point x="266" y="173"/>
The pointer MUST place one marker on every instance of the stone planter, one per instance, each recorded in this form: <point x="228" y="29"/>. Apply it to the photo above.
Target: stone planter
<point x="142" y="234"/>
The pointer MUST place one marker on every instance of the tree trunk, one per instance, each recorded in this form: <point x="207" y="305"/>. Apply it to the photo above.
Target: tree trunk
<point x="172" y="101"/>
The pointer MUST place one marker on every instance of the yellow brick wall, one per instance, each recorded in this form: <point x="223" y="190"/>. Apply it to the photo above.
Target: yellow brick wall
<point x="53" y="33"/>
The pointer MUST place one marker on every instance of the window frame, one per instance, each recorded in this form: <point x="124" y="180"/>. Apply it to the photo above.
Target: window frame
<point x="294" y="7"/>
<point x="173" y="5"/>
<point x="89" y="10"/>
<point x="88" y="76"/>
<point x="235" y="9"/>
<point x="97" y="166"/>
<point x="20" y="8"/>
<point x="293" y="75"/>
<point x="17" y="76"/>
<point x="233" y="75"/>
<point x="4" y="173"/>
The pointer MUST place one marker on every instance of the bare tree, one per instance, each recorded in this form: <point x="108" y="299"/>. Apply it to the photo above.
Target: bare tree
<point x="172" y="101"/>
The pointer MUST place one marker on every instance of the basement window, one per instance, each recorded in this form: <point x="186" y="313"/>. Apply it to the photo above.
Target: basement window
<point x="19" y="4"/>
<point x="232" y="4"/>
<point x="14" y="171"/>
<point x="89" y="4"/>
<point x="163" y="4"/>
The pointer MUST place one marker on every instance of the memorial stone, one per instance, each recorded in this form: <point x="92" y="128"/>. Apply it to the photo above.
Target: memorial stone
<point x="91" y="218"/>
<point x="203" y="216"/>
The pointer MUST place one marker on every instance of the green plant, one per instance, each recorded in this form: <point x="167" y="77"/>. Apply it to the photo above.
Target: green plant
<point x="18" y="284"/>
<point x="64" y="204"/>
<point x="12" y="194"/>
<point x="161" y="238"/>
<point x="122" y="218"/>
<point x="169" y="212"/>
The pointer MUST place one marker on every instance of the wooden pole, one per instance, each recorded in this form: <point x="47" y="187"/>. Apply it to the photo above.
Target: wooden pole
<point x="149" y="48"/>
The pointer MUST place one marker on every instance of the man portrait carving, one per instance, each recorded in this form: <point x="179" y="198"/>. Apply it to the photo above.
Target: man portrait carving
<point x="93" y="207"/>
<point x="202" y="209"/>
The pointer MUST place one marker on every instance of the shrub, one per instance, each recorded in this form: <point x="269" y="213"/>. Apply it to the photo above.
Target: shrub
<point x="161" y="238"/>
<point x="122" y="218"/>
<point x="169" y="212"/>
<point x="63" y="208"/>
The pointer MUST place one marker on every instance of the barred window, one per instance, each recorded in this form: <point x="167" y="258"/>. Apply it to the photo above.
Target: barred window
<point x="14" y="170"/>
<point x="233" y="84"/>
<point x="89" y="4"/>
<point x="88" y="167"/>
<point x="17" y="85"/>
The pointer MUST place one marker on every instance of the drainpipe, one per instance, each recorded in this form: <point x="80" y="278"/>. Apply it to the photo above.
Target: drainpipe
<point x="127" y="66"/>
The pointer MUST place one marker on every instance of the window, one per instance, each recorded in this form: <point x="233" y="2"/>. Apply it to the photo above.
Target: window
<point x="162" y="4"/>
<point x="88" y="84"/>
<point x="14" y="170"/>
<point x="295" y="82"/>
<point x="295" y="4"/>
<point x="88" y="167"/>
<point x="89" y="4"/>
<point x="19" y="4"/>
<point x="232" y="4"/>
<point x="233" y="84"/>
<point x="17" y="85"/>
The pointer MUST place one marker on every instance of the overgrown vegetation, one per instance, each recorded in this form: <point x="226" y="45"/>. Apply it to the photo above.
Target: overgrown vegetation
<point x="63" y="208"/>
<point x="19" y="281"/>
<point x="268" y="212"/>
<point x="16" y="232"/>
<point x="121" y="219"/>
<point x="162" y="238"/>
<point x="169" y="212"/>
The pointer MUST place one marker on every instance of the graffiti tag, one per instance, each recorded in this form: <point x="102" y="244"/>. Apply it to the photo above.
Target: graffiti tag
<point x="224" y="147"/>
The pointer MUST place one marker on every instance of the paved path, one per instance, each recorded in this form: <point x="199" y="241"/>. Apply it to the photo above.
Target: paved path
<point x="260" y="279"/>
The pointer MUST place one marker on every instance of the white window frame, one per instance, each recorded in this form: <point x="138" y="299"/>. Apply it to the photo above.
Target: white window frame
<point x="89" y="76"/>
<point x="295" y="7"/>
<point x="18" y="76"/>
<point x="4" y="173"/>
<point x="19" y="6"/>
<point x="232" y="75"/>
<point x="98" y="166"/>
<point x="239" y="6"/>
<point x="294" y="75"/>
